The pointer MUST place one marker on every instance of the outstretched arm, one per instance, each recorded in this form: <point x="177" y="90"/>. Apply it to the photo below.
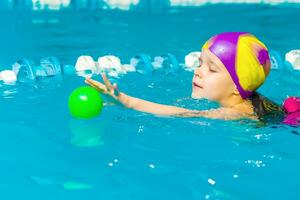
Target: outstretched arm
<point x="150" y="107"/>
<point x="133" y="102"/>
<point x="160" y="109"/>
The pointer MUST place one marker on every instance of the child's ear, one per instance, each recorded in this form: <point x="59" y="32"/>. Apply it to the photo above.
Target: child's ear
<point x="235" y="91"/>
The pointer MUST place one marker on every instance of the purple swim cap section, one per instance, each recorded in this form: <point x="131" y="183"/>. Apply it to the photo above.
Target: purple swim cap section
<point x="224" y="46"/>
<point x="263" y="56"/>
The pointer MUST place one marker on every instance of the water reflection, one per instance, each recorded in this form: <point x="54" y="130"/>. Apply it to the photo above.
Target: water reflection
<point x="86" y="133"/>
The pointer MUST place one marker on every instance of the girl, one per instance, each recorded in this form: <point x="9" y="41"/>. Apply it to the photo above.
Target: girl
<point x="233" y="65"/>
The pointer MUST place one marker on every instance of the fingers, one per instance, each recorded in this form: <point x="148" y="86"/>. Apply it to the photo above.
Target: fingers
<point x="93" y="82"/>
<point x="108" y="88"/>
<point x="90" y="82"/>
<point x="106" y="81"/>
<point x="116" y="90"/>
<point x="99" y="86"/>
<point x="115" y="86"/>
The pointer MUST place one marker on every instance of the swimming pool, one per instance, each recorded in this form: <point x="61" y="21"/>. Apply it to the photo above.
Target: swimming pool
<point x="130" y="155"/>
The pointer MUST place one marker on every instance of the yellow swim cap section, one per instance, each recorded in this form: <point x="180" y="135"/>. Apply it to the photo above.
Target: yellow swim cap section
<point x="208" y="43"/>
<point x="250" y="72"/>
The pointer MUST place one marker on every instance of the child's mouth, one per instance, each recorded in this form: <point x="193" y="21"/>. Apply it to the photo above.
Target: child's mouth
<point x="196" y="85"/>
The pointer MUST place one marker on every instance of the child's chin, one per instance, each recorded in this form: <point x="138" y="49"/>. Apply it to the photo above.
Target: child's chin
<point x="196" y="96"/>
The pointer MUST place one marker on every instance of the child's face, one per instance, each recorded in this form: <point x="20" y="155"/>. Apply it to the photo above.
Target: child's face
<point x="211" y="79"/>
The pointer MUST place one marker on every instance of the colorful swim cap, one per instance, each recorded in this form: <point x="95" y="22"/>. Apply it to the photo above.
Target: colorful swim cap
<point x="244" y="56"/>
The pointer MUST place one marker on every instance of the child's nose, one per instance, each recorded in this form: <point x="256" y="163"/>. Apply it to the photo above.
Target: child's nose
<point x="198" y="72"/>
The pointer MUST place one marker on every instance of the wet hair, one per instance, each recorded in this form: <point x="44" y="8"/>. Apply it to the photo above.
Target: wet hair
<point x="266" y="110"/>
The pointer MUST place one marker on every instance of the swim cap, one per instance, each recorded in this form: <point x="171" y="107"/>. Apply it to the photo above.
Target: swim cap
<point x="244" y="57"/>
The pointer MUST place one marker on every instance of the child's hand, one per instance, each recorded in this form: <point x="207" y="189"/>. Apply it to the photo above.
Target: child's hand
<point x="107" y="88"/>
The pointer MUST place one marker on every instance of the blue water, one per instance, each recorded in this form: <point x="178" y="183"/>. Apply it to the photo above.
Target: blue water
<point x="123" y="154"/>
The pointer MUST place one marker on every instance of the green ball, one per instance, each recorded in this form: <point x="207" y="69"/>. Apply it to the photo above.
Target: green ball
<point x="85" y="102"/>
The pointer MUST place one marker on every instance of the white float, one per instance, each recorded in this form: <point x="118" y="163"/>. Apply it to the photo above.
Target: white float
<point x="128" y="68"/>
<point x="192" y="60"/>
<point x="293" y="57"/>
<point x="8" y="76"/>
<point x="85" y="63"/>
<point x="110" y="63"/>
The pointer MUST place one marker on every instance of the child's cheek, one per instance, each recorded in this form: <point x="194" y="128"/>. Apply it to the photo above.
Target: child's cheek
<point x="214" y="87"/>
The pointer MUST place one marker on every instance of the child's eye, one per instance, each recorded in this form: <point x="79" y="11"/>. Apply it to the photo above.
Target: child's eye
<point x="199" y="62"/>
<point x="212" y="70"/>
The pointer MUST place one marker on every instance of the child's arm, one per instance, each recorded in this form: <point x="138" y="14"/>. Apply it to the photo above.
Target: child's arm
<point x="133" y="102"/>
<point x="150" y="107"/>
<point x="155" y="108"/>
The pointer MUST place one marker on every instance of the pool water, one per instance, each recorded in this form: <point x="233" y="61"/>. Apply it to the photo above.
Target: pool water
<point x="124" y="154"/>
